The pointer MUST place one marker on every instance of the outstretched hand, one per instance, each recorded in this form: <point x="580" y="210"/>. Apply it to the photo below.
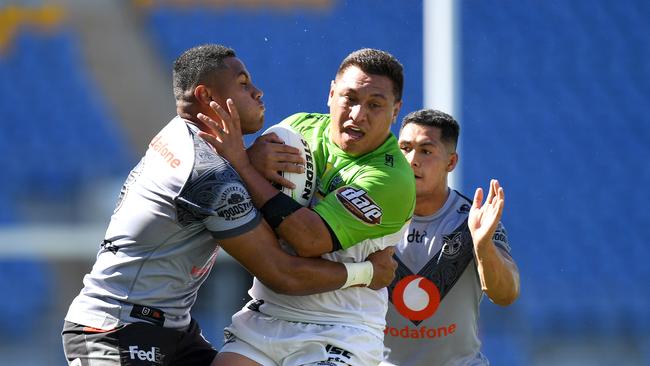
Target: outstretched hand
<point x="484" y="218"/>
<point x="225" y="136"/>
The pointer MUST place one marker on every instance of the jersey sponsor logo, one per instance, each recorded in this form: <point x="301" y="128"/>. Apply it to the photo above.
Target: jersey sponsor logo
<point x="416" y="237"/>
<point x="421" y="332"/>
<point x="337" y="354"/>
<point x="237" y="203"/>
<point x="309" y="171"/>
<point x="152" y="355"/>
<point x="415" y="297"/>
<point x="359" y="203"/>
<point x="160" y="146"/>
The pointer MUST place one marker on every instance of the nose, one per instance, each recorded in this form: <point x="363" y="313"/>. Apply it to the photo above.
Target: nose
<point x="410" y="157"/>
<point x="357" y="113"/>
<point x="257" y="93"/>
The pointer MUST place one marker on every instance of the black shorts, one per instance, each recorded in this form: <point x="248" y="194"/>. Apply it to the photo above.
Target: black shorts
<point x="136" y="344"/>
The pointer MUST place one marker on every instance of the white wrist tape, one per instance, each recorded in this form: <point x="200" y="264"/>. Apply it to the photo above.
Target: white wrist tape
<point x="358" y="274"/>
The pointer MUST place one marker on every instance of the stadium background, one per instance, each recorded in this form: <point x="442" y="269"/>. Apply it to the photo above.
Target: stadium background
<point x="553" y="98"/>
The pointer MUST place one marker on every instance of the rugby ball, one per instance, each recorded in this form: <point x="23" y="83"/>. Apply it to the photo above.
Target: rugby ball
<point x="306" y="181"/>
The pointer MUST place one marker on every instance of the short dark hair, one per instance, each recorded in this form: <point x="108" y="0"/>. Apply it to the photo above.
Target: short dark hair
<point x="377" y="62"/>
<point x="197" y="65"/>
<point x="449" y="128"/>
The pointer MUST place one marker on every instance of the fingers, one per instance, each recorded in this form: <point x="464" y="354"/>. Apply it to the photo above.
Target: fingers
<point x="214" y="126"/>
<point x="278" y="179"/>
<point x="234" y="114"/>
<point x="478" y="198"/>
<point x="270" y="137"/>
<point x="223" y="115"/>
<point x="491" y="191"/>
<point x="212" y="140"/>
<point x="391" y="250"/>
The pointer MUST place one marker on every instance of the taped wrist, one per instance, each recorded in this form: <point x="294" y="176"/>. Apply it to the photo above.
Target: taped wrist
<point x="358" y="274"/>
<point x="278" y="208"/>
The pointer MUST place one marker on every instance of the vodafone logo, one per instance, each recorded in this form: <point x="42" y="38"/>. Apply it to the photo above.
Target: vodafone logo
<point x="416" y="298"/>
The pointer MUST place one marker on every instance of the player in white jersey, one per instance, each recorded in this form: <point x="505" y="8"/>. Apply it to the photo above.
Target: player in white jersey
<point x="178" y="206"/>
<point x="360" y="169"/>
<point x="453" y="252"/>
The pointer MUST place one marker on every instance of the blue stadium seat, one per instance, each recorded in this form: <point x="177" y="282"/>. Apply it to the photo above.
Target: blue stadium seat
<point x="28" y="288"/>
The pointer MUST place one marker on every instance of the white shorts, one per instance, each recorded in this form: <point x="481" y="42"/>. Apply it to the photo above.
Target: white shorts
<point x="272" y="342"/>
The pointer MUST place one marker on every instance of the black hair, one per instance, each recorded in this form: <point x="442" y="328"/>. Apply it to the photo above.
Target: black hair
<point x="377" y="62"/>
<point x="449" y="128"/>
<point x="197" y="66"/>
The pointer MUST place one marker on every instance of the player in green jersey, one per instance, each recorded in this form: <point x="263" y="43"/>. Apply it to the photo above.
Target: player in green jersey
<point x="366" y="196"/>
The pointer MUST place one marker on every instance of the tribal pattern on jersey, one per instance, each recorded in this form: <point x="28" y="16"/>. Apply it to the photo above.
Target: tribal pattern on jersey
<point x="445" y="267"/>
<point x="211" y="178"/>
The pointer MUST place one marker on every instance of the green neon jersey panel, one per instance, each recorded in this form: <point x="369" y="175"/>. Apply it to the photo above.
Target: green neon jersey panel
<point x="364" y="197"/>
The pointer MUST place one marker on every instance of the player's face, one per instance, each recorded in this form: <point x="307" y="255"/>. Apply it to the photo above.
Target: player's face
<point x="430" y="158"/>
<point x="236" y="83"/>
<point x="362" y="107"/>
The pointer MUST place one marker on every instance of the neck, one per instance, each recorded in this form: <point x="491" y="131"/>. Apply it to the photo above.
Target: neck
<point x="188" y="111"/>
<point x="430" y="203"/>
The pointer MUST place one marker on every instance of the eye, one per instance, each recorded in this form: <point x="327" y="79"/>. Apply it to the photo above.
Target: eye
<point x="405" y="148"/>
<point x="348" y="99"/>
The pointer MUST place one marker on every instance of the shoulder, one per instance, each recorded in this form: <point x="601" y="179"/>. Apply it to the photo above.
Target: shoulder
<point x="302" y="120"/>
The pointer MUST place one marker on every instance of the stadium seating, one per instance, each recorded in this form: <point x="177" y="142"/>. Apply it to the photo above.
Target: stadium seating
<point x="556" y="93"/>
<point x="293" y="54"/>
<point x="57" y="134"/>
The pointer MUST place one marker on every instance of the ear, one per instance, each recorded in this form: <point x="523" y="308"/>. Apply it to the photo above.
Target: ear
<point x="331" y="94"/>
<point x="396" y="109"/>
<point x="453" y="161"/>
<point x="202" y="94"/>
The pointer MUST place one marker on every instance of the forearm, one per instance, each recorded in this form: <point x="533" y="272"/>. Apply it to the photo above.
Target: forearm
<point x="259" y="188"/>
<point x="306" y="233"/>
<point x="499" y="276"/>
<point x="307" y="276"/>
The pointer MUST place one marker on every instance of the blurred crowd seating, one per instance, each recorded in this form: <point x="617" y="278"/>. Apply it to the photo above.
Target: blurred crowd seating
<point x="555" y="104"/>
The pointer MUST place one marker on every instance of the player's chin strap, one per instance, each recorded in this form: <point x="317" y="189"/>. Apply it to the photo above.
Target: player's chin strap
<point x="278" y="208"/>
<point x="358" y="274"/>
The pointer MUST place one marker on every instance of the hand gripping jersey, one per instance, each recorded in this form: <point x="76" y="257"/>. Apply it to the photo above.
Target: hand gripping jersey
<point x="161" y="242"/>
<point x="434" y="299"/>
<point x="367" y="201"/>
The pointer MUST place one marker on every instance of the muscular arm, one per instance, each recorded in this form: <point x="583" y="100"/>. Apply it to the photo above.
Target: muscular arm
<point x="497" y="271"/>
<point x="304" y="230"/>
<point x="260" y="253"/>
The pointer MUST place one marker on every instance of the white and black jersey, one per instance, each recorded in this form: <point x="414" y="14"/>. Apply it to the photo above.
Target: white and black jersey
<point x="434" y="300"/>
<point x="162" y="239"/>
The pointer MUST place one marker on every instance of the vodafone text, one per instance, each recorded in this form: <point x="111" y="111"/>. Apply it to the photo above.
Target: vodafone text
<point x="421" y="332"/>
<point x="161" y="148"/>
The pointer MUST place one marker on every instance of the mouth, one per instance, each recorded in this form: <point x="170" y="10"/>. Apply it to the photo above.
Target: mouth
<point x="354" y="133"/>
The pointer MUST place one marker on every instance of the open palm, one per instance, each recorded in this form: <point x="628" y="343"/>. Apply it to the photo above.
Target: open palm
<point x="484" y="217"/>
